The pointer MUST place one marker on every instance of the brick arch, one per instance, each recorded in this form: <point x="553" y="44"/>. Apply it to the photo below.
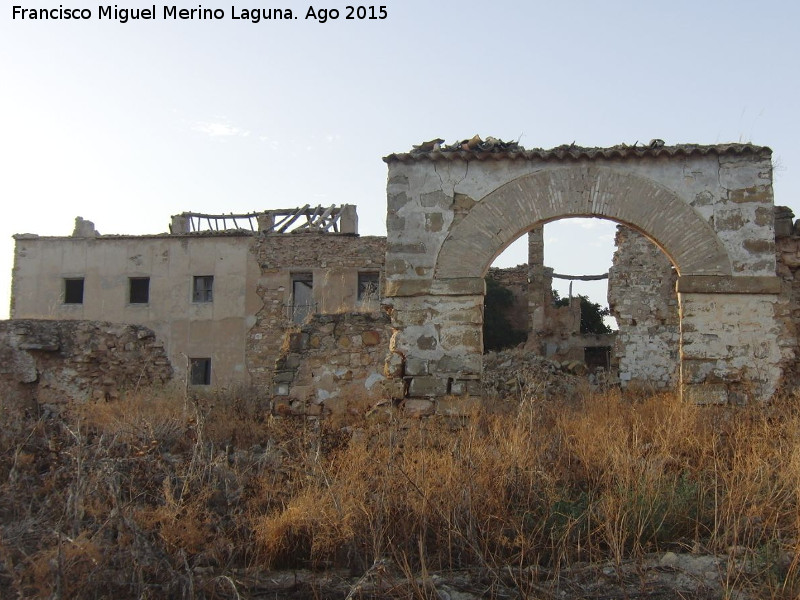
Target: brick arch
<point x="504" y="214"/>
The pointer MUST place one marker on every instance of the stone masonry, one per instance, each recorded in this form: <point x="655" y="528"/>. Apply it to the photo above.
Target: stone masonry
<point x="787" y="309"/>
<point x="515" y="279"/>
<point x="641" y="295"/>
<point x="59" y="361"/>
<point x="451" y="211"/>
<point x="334" y="262"/>
<point x="700" y="298"/>
<point x="332" y="365"/>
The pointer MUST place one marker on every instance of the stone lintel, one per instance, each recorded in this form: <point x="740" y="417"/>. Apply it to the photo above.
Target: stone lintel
<point x="460" y="286"/>
<point x="724" y="284"/>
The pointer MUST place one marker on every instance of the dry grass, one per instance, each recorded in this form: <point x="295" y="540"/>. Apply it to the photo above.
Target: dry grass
<point x="156" y="497"/>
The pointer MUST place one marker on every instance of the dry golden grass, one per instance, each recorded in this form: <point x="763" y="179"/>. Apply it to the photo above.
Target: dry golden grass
<point x="156" y="496"/>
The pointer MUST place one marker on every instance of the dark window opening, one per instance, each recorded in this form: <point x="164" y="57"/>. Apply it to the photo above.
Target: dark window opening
<point x="139" y="290"/>
<point x="302" y="297"/>
<point x="202" y="290"/>
<point x="73" y="291"/>
<point x="598" y="357"/>
<point x="200" y="371"/>
<point x="368" y="287"/>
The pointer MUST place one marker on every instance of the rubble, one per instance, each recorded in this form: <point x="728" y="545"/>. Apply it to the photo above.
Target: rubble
<point x="518" y="374"/>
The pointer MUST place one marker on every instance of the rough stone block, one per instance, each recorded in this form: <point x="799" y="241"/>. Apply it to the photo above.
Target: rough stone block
<point x="416" y="366"/>
<point x="371" y="338"/>
<point x="470" y="340"/>
<point x="759" y="246"/>
<point x="458" y="407"/>
<point x="427" y="342"/>
<point x="394" y="388"/>
<point x="413" y="407"/>
<point x="756" y="194"/>
<point x="284" y="376"/>
<point x="298" y="341"/>
<point x="406" y="287"/>
<point x="713" y="284"/>
<point x="427" y="386"/>
<point x="706" y="393"/>
<point x="434" y="222"/>
<point x="394" y="365"/>
<point x="396" y="201"/>
<point x="435" y="199"/>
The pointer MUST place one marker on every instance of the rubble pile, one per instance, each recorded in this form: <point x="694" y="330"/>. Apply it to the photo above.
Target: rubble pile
<point x="519" y="374"/>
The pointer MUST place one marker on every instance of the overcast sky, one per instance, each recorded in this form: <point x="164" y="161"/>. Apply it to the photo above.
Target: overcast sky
<point x="127" y="124"/>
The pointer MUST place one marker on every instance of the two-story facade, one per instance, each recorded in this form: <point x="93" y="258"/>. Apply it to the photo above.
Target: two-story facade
<point x="219" y="297"/>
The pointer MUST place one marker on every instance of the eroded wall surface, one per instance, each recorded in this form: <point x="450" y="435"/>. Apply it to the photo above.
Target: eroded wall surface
<point x="515" y="279"/>
<point x="642" y="297"/>
<point x="334" y="364"/>
<point x="59" y="361"/>
<point x="240" y="328"/>
<point x="334" y="262"/>
<point x="787" y="308"/>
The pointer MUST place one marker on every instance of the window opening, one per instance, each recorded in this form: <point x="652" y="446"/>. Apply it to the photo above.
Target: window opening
<point x="202" y="290"/>
<point x="73" y="290"/>
<point x="368" y="287"/>
<point x="200" y="371"/>
<point x="302" y="297"/>
<point x="139" y="290"/>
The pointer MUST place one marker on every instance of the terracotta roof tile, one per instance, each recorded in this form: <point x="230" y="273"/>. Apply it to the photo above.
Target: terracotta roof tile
<point x="493" y="149"/>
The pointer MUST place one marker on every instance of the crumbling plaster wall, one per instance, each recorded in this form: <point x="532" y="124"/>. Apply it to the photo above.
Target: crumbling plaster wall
<point x="642" y="297"/>
<point x="710" y="209"/>
<point x="240" y="330"/>
<point x="334" y="260"/>
<point x="50" y="362"/>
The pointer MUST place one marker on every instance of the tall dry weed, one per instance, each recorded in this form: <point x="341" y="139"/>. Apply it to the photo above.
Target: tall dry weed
<point x="155" y="496"/>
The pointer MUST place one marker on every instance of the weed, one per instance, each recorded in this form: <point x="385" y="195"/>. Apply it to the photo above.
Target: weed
<point x="153" y="496"/>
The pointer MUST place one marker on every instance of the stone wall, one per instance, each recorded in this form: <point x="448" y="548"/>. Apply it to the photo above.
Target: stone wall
<point x="787" y="309"/>
<point x="333" y="364"/>
<point x="334" y="262"/>
<point x="61" y="361"/>
<point x="451" y="211"/>
<point x="641" y="295"/>
<point x="106" y="264"/>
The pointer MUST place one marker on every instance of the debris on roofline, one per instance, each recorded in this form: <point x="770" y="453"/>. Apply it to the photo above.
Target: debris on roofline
<point x="477" y="148"/>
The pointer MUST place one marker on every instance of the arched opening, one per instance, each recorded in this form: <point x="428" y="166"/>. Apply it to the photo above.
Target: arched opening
<point x="451" y="213"/>
<point x="572" y="279"/>
<point x="588" y="191"/>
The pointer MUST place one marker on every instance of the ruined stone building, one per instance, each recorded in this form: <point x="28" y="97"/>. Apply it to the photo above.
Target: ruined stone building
<point x="217" y="291"/>
<point x="452" y="209"/>
<point x="299" y="305"/>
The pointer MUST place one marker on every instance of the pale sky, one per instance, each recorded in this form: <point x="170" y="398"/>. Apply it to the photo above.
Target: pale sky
<point x="127" y="124"/>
